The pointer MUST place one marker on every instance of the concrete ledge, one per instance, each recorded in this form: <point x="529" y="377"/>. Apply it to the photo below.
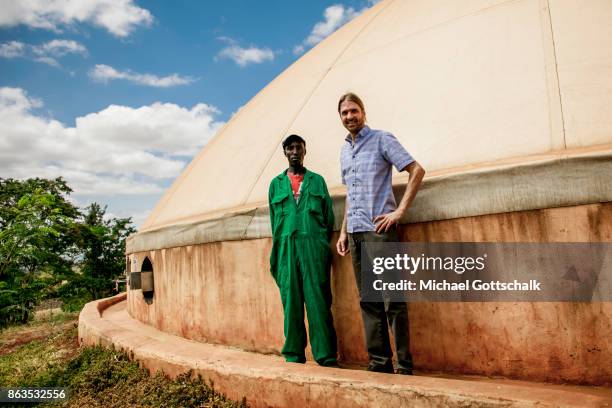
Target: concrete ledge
<point x="267" y="381"/>
<point x="104" y="304"/>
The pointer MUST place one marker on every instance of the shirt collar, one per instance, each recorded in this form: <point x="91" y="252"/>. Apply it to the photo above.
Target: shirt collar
<point x="284" y="174"/>
<point x="363" y="132"/>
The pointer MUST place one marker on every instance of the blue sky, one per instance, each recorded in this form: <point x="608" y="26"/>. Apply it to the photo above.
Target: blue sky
<point x="117" y="96"/>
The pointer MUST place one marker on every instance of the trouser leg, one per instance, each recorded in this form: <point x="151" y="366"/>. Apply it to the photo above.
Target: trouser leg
<point x="372" y="313"/>
<point x="315" y="263"/>
<point x="397" y="315"/>
<point x="290" y="285"/>
<point x="377" y="314"/>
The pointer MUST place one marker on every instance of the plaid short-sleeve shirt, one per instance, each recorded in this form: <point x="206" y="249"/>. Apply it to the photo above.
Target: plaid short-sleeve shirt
<point x="366" y="172"/>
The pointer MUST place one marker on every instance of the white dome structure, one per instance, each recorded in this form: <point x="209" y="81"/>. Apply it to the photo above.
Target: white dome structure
<point x="506" y="104"/>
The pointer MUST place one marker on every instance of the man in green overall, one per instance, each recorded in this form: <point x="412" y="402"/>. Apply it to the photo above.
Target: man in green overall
<point x="302" y="223"/>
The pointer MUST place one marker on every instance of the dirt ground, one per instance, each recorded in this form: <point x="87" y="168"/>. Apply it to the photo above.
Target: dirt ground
<point x="12" y="338"/>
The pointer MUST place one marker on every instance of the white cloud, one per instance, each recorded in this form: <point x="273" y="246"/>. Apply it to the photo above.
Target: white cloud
<point x="105" y="73"/>
<point x="49" y="61"/>
<point x="138" y="215"/>
<point x="45" y="53"/>
<point x="298" y="49"/>
<point x="139" y="218"/>
<point x="333" y="18"/>
<point x="117" y="151"/>
<point x="244" y="56"/>
<point x="14" y="100"/>
<point x="12" y="49"/>
<point x="59" y="48"/>
<point x="119" y="17"/>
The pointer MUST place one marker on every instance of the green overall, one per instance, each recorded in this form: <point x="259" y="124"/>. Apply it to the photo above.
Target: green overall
<point x="300" y="264"/>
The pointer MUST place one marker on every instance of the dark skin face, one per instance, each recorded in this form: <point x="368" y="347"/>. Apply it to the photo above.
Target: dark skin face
<point x="295" y="152"/>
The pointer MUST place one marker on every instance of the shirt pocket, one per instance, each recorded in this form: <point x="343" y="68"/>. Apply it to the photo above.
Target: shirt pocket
<point x="368" y="163"/>
<point x="315" y="205"/>
<point x="280" y="205"/>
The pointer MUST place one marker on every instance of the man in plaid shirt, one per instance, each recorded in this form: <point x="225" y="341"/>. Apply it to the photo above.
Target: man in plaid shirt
<point x="371" y="215"/>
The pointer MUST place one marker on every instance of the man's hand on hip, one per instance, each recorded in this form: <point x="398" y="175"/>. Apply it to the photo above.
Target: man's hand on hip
<point x="384" y="222"/>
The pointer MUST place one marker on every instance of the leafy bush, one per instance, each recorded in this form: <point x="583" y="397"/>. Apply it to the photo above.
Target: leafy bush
<point x="49" y="248"/>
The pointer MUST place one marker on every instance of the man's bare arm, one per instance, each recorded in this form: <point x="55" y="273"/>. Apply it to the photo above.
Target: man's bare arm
<point x="385" y="221"/>
<point x="342" y="244"/>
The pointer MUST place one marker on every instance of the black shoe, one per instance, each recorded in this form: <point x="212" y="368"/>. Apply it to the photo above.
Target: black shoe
<point x="376" y="368"/>
<point x="333" y="364"/>
<point x="404" y="371"/>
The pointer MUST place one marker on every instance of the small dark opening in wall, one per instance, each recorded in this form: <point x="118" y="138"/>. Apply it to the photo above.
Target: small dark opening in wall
<point x="146" y="280"/>
<point x="146" y="265"/>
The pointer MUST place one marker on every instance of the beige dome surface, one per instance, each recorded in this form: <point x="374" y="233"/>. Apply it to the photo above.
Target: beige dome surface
<point x="459" y="83"/>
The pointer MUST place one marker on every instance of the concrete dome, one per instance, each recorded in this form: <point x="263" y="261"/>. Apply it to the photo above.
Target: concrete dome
<point x="507" y="104"/>
<point x="459" y="83"/>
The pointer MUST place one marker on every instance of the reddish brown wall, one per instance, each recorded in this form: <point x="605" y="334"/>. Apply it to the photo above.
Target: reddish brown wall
<point x="220" y="292"/>
<point x="564" y="342"/>
<point x="223" y="293"/>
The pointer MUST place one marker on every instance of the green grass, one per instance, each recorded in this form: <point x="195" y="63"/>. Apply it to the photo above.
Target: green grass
<point x="32" y="363"/>
<point x="96" y="376"/>
<point x="56" y="317"/>
<point x="99" y="377"/>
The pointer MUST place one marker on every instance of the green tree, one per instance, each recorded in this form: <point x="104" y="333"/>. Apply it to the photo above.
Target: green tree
<point x="49" y="248"/>
<point x="101" y="242"/>
<point x="37" y="226"/>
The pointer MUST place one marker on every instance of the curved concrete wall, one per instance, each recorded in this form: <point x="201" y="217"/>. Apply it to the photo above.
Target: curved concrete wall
<point x="222" y="292"/>
<point x="558" y="179"/>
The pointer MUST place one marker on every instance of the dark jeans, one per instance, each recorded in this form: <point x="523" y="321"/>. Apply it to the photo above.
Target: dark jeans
<point x="378" y="316"/>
